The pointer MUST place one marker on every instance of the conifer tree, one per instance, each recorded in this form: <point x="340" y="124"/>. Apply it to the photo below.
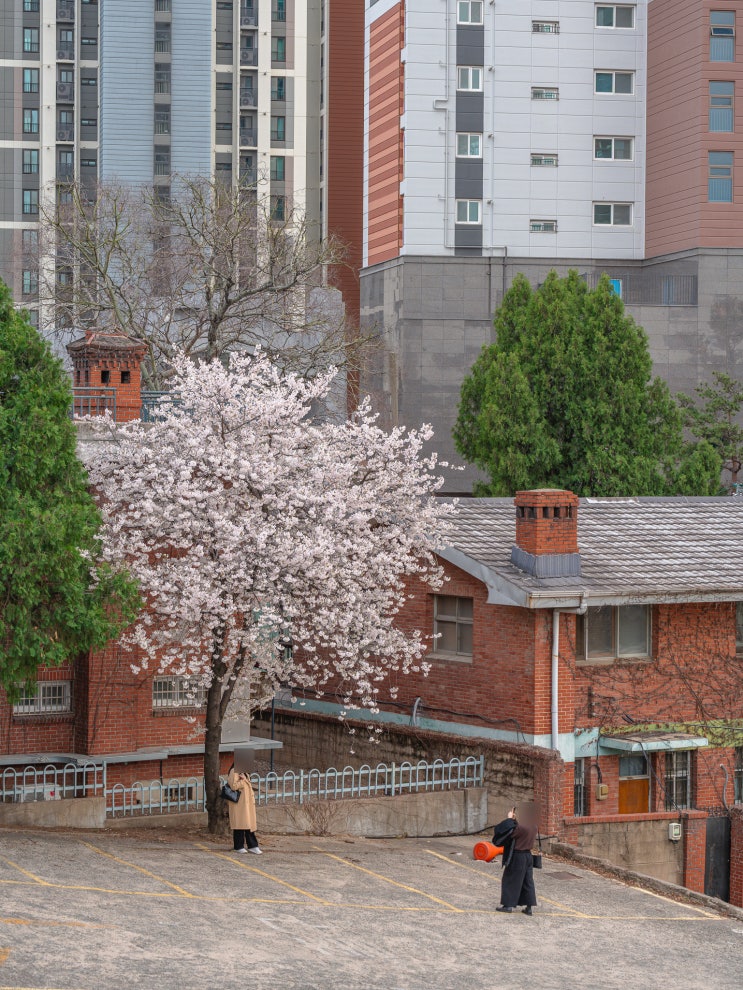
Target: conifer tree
<point x="56" y="599"/>
<point x="565" y="399"/>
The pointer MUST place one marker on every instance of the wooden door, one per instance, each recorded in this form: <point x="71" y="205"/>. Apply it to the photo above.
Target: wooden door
<point x="634" y="795"/>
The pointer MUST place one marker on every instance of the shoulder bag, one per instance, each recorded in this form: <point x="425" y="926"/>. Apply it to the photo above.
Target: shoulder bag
<point x="228" y="794"/>
<point x="536" y="858"/>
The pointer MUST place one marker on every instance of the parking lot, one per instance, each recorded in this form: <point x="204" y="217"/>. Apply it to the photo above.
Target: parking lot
<point x="81" y="911"/>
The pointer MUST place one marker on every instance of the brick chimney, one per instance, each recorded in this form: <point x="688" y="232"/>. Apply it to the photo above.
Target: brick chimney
<point x="547" y="533"/>
<point x="106" y="375"/>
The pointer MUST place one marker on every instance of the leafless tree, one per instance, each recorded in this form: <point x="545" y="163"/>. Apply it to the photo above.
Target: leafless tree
<point x="209" y="269"/>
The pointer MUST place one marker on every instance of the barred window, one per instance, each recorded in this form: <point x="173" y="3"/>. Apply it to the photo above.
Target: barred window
<point x="43" y="698"/>
<point x="177" y="692"/>
<point x="678" y="780"/>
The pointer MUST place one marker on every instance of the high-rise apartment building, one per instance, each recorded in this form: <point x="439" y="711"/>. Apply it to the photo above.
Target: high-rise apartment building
<point x="138" y="92"/>
<point x="518" y="137"/>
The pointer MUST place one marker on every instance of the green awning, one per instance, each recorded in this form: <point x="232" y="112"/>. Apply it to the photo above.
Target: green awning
<point x="651" y="742"/>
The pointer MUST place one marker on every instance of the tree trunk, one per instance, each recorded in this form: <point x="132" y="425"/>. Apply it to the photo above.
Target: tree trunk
<point x="211" y="755"/>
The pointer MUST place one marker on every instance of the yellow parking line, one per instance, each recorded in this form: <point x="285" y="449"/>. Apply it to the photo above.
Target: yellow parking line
<point x="268" y="876"/>
<point x="379" y="876"/>
<point x="140" y="869"/>
<point x="26" y="873"/>
<point x="4" y="953"/>
<point x="690" y="907"/>
<point x="546" y="900"/>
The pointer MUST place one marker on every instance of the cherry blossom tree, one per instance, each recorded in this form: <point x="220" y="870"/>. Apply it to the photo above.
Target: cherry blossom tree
<point x="250" y="521"/>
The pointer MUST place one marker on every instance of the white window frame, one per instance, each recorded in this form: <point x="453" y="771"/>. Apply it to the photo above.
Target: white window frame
<point x="469" y="135"/>
<point x="613" y="654"/>
<point x="613" y="138"/>
<point x="469" y="69"/>
<point x="180" y="696"/>
<point x="544" y="159"/>
<point x="612" y="223"/>
<point x="39" y="703"/>
<point x="469" y="5"/>
<point x="614" y="26"/>
<point x="613" y="73"/>
<point x="468" y="203"/>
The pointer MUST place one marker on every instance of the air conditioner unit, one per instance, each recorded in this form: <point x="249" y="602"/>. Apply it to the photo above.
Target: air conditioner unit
<point x="64" y="91"/>
<point x="65" y="134"/>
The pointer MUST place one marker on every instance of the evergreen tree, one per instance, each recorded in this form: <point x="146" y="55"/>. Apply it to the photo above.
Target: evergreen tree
<point x="716" y="419"/>
<point x="56" y="600"/>
<point x="564" y="399"/>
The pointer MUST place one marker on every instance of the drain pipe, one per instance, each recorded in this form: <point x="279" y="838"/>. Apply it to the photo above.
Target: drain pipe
<point x="555" y="671"/>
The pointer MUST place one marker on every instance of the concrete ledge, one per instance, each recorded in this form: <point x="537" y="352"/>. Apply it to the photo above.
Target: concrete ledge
<point x="415" y="815"/>
<point x="70" y="813"/>
<point x="672" y="890"/>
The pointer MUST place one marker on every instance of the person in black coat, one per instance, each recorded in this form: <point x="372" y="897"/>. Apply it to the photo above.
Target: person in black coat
<point x="517" y="839"/>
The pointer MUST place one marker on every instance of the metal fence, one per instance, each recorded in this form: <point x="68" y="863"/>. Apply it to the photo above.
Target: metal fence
<point x="301" y="786"/>
<point x="158" y="797"/>
<point x="52" y="782"/>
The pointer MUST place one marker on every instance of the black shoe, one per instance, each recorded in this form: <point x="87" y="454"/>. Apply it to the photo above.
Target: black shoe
<point x="527" y="910"/>
<point x="506" y="909"/>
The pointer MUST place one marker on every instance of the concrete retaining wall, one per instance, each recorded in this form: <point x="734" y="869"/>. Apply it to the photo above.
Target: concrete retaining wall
<point x="641" y="845"/>
<point x="513" y="772"/>
<point x="413" y="815"/>
<point x="70" y="813"/>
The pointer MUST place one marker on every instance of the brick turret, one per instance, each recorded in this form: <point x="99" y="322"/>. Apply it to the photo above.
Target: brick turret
<point x="107" y="374"/>
<point x="547" y="533"/>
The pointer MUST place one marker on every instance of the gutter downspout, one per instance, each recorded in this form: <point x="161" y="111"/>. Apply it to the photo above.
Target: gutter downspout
<point x="555" y="669"/>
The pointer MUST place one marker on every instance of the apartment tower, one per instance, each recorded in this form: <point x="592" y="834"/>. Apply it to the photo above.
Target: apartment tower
<point x="140" y="91"/>
<point x="505" y="138"/>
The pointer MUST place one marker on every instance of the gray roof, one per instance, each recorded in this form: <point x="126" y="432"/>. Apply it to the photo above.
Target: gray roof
<point x="631" y="549"/>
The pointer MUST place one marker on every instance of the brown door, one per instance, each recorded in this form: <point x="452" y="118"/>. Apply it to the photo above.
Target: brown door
<point x="634" y="795"/>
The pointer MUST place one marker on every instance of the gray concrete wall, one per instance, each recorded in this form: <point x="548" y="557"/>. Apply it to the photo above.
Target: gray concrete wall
<point x="435" y="315"/>
<point x="318" y="741"/>
<point x="409" y="815"/>
<point x="641" y="846"/>
<point x="72" y="813"/>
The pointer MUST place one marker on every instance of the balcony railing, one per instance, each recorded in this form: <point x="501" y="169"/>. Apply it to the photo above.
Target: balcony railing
<point x="248" y="56"/>
<point x="248" y="137"/>
<point x="248" y="176"/>
<point x="93" y="401"/>
<point x="65" y="12"/>
<point x="248" y="17"/>
<point x="65" y="53"/>
<point x="65" y="92"/>
<point x="65" y="171"/>
<point x="65" y="133"/>
<point x="247" y="96"/>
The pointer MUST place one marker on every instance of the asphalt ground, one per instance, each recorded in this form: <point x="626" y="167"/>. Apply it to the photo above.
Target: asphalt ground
<point x="83" y="911"/>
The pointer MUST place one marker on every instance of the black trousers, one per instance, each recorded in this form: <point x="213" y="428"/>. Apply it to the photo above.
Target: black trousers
<point x="517" y="886"/>
<point x="243" y="837"/>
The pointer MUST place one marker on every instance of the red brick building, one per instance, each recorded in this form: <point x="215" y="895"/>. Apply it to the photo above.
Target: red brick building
<point x="611" y="631"/>
<point x="96" y="710"/>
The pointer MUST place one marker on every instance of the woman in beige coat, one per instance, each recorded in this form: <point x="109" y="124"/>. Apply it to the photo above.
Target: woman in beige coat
<point x="242" y="814"/>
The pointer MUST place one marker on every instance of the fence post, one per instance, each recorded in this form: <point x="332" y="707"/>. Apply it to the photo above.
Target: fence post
<point x="301" y="786"/>
<point x="392" y="788"/>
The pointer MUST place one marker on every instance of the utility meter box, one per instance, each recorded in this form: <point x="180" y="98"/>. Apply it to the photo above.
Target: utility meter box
<point x="674" y="831"/>
<point x="602" y="792"/>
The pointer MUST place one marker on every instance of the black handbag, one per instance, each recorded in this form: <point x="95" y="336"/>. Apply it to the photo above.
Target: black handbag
<point x="229" y="794"/>
<point x="536" y="858"/>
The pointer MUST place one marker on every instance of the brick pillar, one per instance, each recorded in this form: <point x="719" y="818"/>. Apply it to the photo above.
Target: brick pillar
<point x="695" y="848"/>
<point x="736" y="856"/>
<point x="548" y="785"/>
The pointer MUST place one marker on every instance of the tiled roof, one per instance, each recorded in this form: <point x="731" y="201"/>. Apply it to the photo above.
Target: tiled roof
<point x="640" y="549"/>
